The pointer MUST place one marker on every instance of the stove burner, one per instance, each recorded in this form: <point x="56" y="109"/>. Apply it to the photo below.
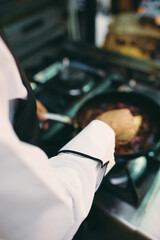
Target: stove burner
<point x="129" y="181"/>
<point x="72" y="78"/>
<point x="136" y="168"/>
<point x="54" y="103"/>
<point x="74" y="82"/>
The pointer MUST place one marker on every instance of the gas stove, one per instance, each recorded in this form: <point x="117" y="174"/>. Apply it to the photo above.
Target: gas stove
<point x="66" y="81"/>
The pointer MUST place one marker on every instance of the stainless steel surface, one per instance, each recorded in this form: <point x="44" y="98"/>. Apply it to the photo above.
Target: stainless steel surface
<point x="142" y="220"/>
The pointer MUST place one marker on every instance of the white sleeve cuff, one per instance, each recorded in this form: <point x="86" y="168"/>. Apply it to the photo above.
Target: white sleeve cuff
<point x="96" y="141"/>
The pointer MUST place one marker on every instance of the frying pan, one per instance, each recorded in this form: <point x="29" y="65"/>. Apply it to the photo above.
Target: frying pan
<point x="146" y="104"/>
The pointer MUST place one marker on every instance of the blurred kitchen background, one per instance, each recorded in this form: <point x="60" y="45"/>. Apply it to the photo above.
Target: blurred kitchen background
<point x="129" y="27"/>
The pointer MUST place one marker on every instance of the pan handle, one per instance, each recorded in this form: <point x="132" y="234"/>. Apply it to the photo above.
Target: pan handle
<point x="58" y="117"/>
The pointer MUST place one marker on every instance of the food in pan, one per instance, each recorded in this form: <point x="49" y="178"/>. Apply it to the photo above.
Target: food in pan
<point x="145" y="127"/>
<point x="137" y="122"/>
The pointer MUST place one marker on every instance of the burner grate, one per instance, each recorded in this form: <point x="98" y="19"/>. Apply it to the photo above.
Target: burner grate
<point x="130" y="188"/>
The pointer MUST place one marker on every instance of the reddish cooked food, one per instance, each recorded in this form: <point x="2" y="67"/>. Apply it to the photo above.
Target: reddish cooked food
<point x="144" y="136"/>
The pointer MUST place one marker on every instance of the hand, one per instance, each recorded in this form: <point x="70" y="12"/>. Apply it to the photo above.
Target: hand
<point x="122" y="122"/>
<point x="40" y="110"/>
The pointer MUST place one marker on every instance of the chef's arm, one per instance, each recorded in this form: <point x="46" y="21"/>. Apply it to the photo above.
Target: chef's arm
<point x="43" y="199"/>
<point x="48" y="199"/>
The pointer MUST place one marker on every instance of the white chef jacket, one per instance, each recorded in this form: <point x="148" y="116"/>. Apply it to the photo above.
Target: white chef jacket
<point x="41" y="198"/>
